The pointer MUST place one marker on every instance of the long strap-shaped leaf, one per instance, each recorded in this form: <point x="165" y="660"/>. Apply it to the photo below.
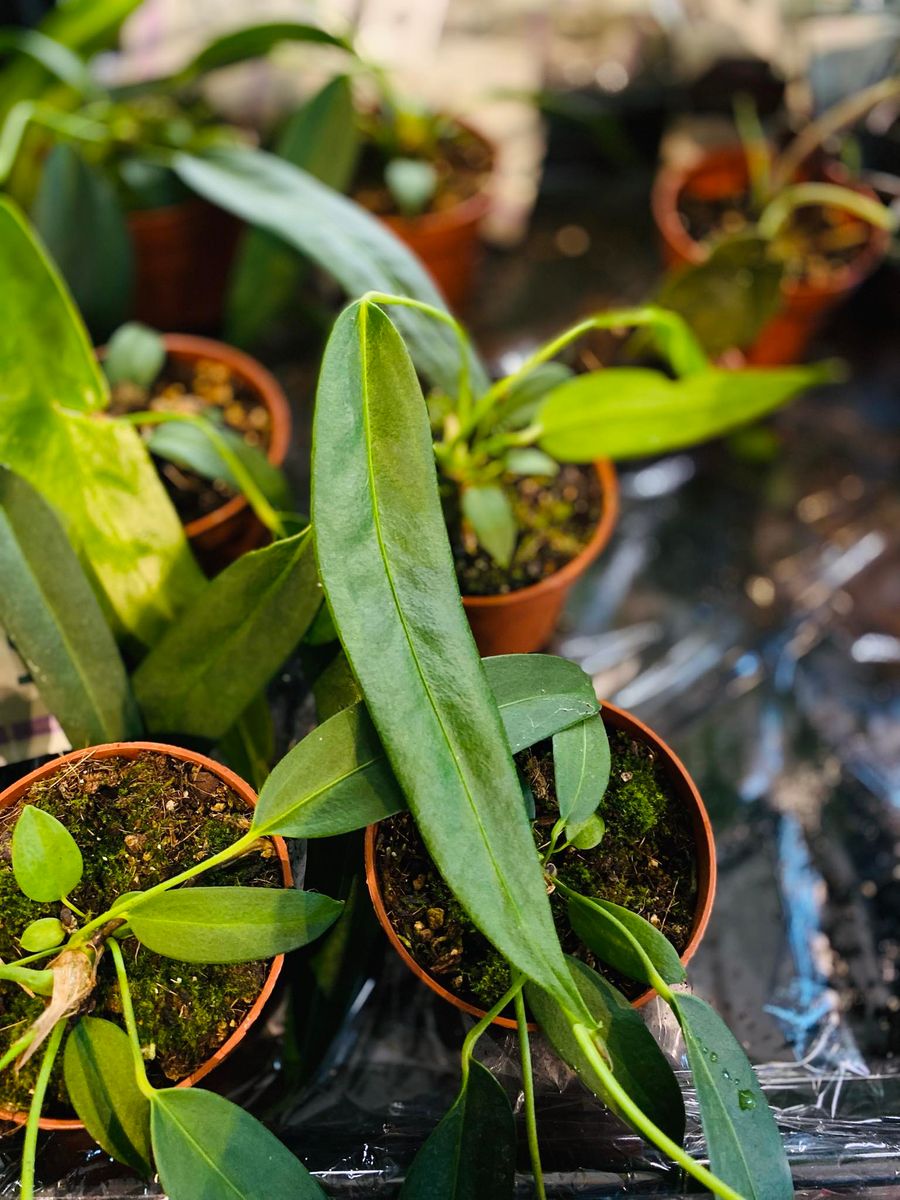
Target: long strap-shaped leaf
<point x="386" y="567"/>
<point x="48" y="609"/>
<point x="338" y="235"/>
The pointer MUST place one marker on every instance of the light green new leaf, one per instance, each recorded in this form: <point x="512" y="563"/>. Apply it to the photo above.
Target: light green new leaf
<point x="581" y="763"/>
<point x="632" y="411"/>
<point x="99" y="1074"/>
<point x="253" y="41"/>
<point x="472" y="1152"/>
<point x="43" y="934"/>
<point x="49" y="610"/>
<point x="46" y="860"/>
<point x="623" y="940"/>
<point x="637" y="1061"/>
<point x="745" y="1148"/>
<point x="207" y="1148"/>
<point x="530" y="462"/>
<point x="387" y="570"/>
<point x="339" y="236"/>
<point x="589" y="835"/>
<point x="226" y="647"/>
<point x="39" y="982"/>
<point x="322" y="137"/>
<point x="188" y="445"/>
<point x="489" y="512"/>
<point x="135" y="354"/>
<point x="412" y="183"/>
<point x="95" y="472"/>
<point x="231" y="924"/>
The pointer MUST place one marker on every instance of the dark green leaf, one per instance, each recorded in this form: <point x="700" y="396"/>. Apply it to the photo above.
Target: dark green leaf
<point x="628" y="412"/>
<point x="206" y="1148"/>
<point x="96" y="473"/>
<point x="135" y="354"/>
<point x="471" y="1155"/>
<point x="637" y="1062"/>
<point x="39" y="982"/>
<point x="253" y="41"/>
<point x="80" y="219"/>
<point x="338" y="235"/>
<point x="412" y="183"/>
<point x="43" y="934"/>
<point x="538" y="694"/>
<point x="322" y="138"/>
<point x="49" y="610"/>
<point x="212" y="662"/>
<point x="188" y="445"/>
<point x="744" y="1145"/>
<point x="46" y="860"/>
<point x="335" y="688"/>
<point x="581" y="762"/>
<point x="100" y="1079"/>
<point x="621" y="939"/>
<point x="489" y="512"/>
<point x="387" y="570"/>
<point x="231" y="924"/>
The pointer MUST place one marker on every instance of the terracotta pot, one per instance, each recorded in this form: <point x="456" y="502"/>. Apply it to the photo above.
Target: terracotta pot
<point x="705" y="855"/>
<point x="524" y="620"/>
<point x="246" y="793"/>
<point x="182" y="257"/>
<point x="222" y="535"/>
<point x="784" y="339"/>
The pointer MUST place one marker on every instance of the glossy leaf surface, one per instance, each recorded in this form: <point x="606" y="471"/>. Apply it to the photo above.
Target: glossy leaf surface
<point x="48" y="609"/>
<point x="46" y="860"/>
<point x="538" y="695"/>
<point x="99" y="1073"/>
<point x="387" y="570"/>
<point x="612" y="931"/>
<point x="581" y="762"/>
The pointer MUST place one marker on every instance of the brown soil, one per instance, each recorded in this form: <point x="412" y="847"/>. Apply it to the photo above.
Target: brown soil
<point x="557" y="517"/>
<point x="463" y="161"/>
<point x="645" y="862"/>
<point x="206" y="387"/>
<point x="138" y="822"/>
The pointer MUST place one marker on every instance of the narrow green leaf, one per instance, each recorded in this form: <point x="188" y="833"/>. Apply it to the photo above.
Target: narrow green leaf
<point x="46" y="860"/>
<point x="631" y="411"/>
<point x="525" y="396"/>
<point x="338" y="235"/>
<point x="489" y="512"/>
<point x="387" y="570"/>
<point x="321" y="137"/>
<point x="618" y="936"/>
<point x="48" y="609"/>
<point x="637" y="1061"/>
<point x="100" y="1078"/>
<point x="231" y="924"/>
<point x="75" y="211"/>
<point x="745" y="1148"/>
<point x="39" y="982"/>
<point x="412" y="183"/>
<point x="43" y="934"/>
<point x="187" y="445"/>
<point x="581" y="763"/>
<point x="253" y="41"/>
<point x="56" y="58"/>
<point x="211" y="663"/>
<point x="538" y="695"/>
<point x="207" y="1148"/>
<point x="530" y="462"/>
<point x="472" y="1152"/>
<point x="135" y="354"/>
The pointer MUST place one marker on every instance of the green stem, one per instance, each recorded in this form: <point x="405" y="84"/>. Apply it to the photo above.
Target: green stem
<point x="478" y="1029"/>
<point x="77" y="911"/>
<point x="140" y="1070"/>
<point x="626" y="1106"/>
<point x="801" y="195"/>
<point x="17" y="1048"/>
<point x="242" y="477"/>
<point x="756" y="148"/>
<point x="29" y="1147"/>
<point x="30" y="112"/>
<point x="534" y="1149"/>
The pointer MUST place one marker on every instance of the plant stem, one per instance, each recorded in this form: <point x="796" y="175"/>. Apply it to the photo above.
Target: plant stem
<point x="642" y="1122"/>
<point x="801" y="195"/>
<point x="478" y="1029"/>
<point x="756" y="148"/>
<point x="534" y="1149"/>
<point x="17" y="1047"/>
<point x="77" y="911"/>
<point x="29" y="1147"/>
<point x="140" y="1071"/>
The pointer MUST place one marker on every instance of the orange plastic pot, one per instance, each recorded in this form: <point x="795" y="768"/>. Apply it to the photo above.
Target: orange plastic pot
<point x="131" y="750"/>
<point x="704" y="853"/>
<point x="524" y="620"/>
<point x="182" y="257"/>
<point x="786" y="336"/>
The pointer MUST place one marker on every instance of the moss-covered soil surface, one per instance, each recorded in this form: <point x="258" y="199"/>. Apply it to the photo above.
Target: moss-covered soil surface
<point x="137" y="822"/>
<point x="645" y="862"/>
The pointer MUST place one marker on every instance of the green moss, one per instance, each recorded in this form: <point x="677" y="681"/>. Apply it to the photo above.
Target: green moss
<point x="635" y="799"/>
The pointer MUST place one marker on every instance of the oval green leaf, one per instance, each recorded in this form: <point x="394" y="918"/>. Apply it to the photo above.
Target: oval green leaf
<point x="135" y="354"/>
<point x="581" y="764"/>
<point x="489" y="512"/>
<point x="43" y="934"/>
<point x="46" y="860"/>
<point x="623" y="939"/>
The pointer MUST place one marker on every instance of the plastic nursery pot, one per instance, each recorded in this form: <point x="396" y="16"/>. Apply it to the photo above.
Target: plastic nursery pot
<point x="182" y="255"/>
<point x="221" y="536"/>
<point x="521" y="621"/>
<point x="805" y="305"/>
<point x="131" y="750"/>
<point x="684" y="789"/>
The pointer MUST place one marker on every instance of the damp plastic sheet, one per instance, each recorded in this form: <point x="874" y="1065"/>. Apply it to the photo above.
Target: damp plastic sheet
<point x="748" y="608"/>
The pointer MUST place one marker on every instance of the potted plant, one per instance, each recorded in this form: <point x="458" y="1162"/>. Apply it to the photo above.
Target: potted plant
<point x="446" y="754"/>
<point x="524" y="464"/>
<point x="764" y="244"/>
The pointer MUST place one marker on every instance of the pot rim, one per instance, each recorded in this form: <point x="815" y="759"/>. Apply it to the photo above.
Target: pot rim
<point x="575" y="567"/>
<point x="671" y="181"/>
<point x="189" y="347"/>
<point x="131" y="750"/>
<point x="705" y="855"/>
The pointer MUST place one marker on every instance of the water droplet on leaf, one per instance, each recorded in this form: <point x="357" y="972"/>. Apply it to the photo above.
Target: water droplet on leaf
<point x="746" y="1100"/>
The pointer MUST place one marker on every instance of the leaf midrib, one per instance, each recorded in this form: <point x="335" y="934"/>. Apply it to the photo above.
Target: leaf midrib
<point x="201" y="1151"/>
<point x="312" y="796"/>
